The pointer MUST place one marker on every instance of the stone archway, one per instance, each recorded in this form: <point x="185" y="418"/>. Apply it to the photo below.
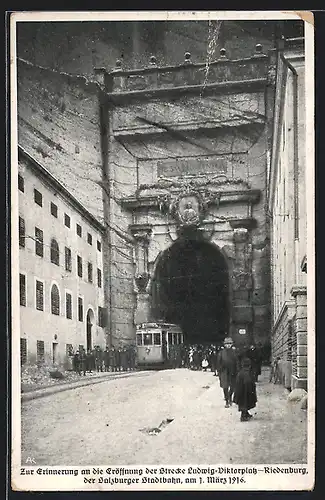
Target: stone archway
<point x="191" y="288"/>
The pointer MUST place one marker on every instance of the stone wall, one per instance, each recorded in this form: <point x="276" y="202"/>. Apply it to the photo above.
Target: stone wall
<point x="215" y="137"/>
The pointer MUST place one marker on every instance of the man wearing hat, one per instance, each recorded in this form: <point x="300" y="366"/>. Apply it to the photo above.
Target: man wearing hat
<point x="227" y="368"/>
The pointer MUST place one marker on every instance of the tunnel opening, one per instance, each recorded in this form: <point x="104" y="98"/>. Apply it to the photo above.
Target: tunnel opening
<point x="191" y="289"/>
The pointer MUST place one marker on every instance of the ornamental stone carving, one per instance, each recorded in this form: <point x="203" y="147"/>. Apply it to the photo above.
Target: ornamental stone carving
<point x="242" y="280"/>
<point x="240" y="235"/>
<point x="141" y="281"/>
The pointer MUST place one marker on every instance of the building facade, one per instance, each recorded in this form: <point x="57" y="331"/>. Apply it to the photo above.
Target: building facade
<point x="287" y="209"/>
<point x="182" y="141"/>
<point x="62" y="304"/>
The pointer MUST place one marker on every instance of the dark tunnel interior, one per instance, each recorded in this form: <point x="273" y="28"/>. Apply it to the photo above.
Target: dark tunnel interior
<point x="190" y="289"/>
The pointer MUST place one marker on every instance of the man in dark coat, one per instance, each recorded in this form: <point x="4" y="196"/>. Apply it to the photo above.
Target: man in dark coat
<point x="106" y="359"/>
<point x="82" y="361"/>
<point x="256" y="361"/>
<point x="76" y="362"/>
<point x="112" y="359"/>
<point x="245" y="390"/>
<point x="227" y="368"/>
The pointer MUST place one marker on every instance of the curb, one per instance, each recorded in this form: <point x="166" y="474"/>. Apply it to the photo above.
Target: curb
<point x="48" y="391"/>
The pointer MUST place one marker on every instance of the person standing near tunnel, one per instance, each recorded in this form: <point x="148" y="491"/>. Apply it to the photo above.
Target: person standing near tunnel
<point x="227" y="368"/>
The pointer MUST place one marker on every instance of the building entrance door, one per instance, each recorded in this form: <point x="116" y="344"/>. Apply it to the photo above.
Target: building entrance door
<point x="54" y="352"/>
<point x="90" y="322"/>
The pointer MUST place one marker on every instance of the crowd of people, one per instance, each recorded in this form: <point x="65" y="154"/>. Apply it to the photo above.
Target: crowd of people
<point x="97" y="359"/>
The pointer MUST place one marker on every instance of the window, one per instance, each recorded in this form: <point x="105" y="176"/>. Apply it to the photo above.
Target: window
<point x="38" y="198"/>
<point x="89" y="239"/>
<point x="68" y="260"/>
<point x="22" y="289"/>
<point x="79" y="266"/>
<point x="21" y="232"/>
<point x="55" y="300"/>
<point x="54" y="210"/>
<point x="80" y="309"/>
<point x="39" y="295"/>
<point x="147" y="338"/>
<point x="55" y="252"/>
<point x="156" y="339"/>
<point x="102" y="316"/>
<point x="66" y="220"/>
<point x="99" y="278"/>
<point x="40" y="351"/>
<point x="79" y="230"/>
<point x="21" y="183"/>
<point x="23" y="351"/>
<point x="99" y="246"/>
<point x="68" y="305"/>
<point x="139" y="338"/>
<point x="39" y="247"/>
<point x="90" y="272"/>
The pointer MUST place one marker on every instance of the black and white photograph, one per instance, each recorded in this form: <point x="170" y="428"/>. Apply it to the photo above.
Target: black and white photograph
<point x="163" y="267"/>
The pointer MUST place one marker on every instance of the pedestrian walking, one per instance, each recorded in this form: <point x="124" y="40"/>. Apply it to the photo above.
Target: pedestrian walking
<point x="256" y="361"/>
<point x="227" y="366"/>
<point x="245" y="390"/>
<point x="275" y="375"/>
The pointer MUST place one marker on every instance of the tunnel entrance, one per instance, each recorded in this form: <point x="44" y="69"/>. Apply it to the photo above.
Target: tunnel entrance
<point x="191" y="288"/>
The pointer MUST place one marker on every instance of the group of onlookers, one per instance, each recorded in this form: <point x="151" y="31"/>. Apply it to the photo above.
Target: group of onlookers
<point x="111" y="359"/>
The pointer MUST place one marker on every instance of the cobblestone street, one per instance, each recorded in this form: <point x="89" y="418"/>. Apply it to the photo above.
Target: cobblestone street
<point x="117" y="422"/>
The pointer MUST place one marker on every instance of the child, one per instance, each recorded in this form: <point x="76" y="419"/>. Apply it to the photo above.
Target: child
<point x="245" y="390"/>
<point x="205" y="364"/>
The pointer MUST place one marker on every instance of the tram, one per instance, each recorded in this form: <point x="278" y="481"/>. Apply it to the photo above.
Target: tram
<point x="154" y="341"/>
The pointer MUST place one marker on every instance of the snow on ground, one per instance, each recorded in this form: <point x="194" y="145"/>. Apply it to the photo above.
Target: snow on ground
<point x="109" y="424"/>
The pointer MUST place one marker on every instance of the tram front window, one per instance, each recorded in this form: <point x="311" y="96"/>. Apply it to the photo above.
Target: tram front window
<point x="139" y="338"/>
<point x="156" y="339"/>
<point x="147" y="339"/>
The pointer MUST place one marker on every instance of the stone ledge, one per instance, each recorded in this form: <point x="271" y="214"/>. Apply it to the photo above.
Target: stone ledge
<point x="151" y="201"/>
<point x="187" y="73"/>
<point x="298" y="290"/>
<point x="254" y="85"/>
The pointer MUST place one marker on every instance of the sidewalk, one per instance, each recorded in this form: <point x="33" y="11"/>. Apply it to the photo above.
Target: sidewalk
<point x="95" y="378"/>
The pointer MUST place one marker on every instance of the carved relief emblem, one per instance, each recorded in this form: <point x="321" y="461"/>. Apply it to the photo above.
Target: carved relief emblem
<point x="188" y="207"/>
<point x="187" y="211"/>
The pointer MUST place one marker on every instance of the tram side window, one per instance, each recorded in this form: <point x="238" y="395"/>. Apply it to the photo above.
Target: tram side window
<point x="174" y="338"/>
<point x="139" y="338"/>
<point x="156" y="339"/>
<point x="170" y="338"/>
<point x="147" y="339"/>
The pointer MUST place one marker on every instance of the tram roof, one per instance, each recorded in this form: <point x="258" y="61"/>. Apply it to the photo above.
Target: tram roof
<point x="157" y="324"/>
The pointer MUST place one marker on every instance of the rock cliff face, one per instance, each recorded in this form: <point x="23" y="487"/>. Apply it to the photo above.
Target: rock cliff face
<point x="104" y="153"/>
